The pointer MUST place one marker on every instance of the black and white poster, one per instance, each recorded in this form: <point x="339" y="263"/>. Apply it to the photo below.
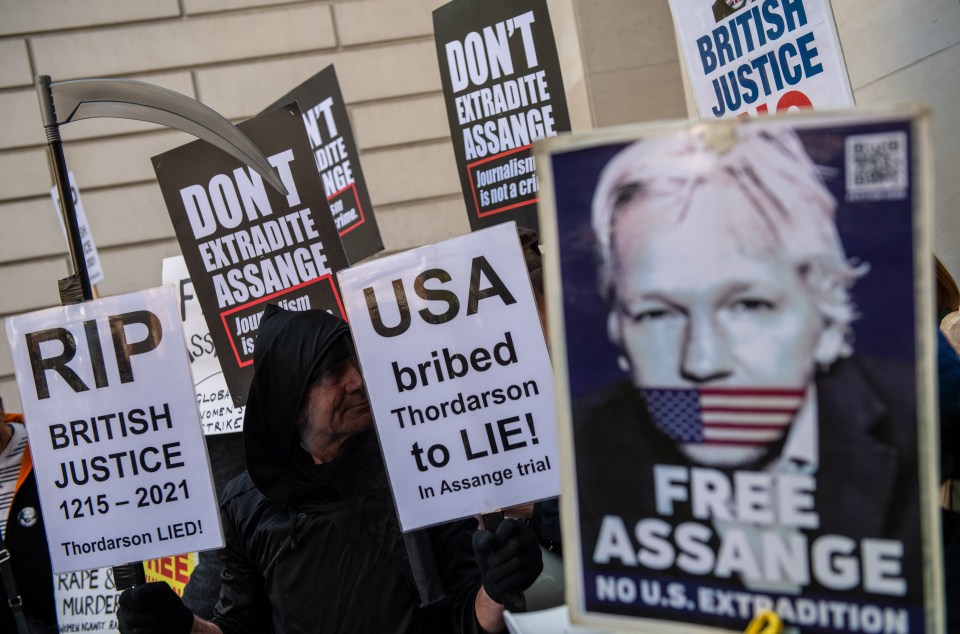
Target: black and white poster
<point x="338" y="162"/>
<point x="459" y="377"/>
<point x="121" y="467"/>
<point x="503" y="89"/>
<point x="244" y="243"/>
<point x="744" y="330"/>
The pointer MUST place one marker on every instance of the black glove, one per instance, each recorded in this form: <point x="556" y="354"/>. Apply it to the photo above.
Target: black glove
<point x="509" y="560"/>
<point x="153" y="608"/>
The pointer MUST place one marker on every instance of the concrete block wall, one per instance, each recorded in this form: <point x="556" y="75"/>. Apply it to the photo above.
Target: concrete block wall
<point x="631" y="61"/>
<point x="909" y="52"/>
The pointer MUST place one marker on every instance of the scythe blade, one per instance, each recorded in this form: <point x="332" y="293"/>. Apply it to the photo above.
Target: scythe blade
<point x="129" y="99"/>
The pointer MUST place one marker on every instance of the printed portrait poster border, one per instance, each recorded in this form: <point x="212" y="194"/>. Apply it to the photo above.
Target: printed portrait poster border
<point x="925" y="348"/>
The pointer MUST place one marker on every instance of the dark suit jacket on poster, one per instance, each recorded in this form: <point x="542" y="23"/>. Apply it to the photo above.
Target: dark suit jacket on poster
<point x="867" y="480"/>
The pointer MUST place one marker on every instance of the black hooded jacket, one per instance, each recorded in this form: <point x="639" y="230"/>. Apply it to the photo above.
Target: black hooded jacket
<point x="317" y="548"/>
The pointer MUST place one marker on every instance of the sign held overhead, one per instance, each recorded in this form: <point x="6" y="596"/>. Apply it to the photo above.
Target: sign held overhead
<point x="338" y="161"/>
<point x="245" y="244"/>
<point x="753" y="57"/>
<point x="458" y="375"/>
<point x="121" y="466"/>
<point x="502" y="85"/>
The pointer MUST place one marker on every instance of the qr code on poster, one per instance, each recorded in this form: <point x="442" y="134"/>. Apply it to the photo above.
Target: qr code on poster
<point x="876" y="166"/>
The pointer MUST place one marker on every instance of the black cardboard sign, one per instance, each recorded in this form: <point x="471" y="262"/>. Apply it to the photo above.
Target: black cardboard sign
<point x="338" y="162"/>
<point x="244" y="243"/>
<point x="503" y="90"/>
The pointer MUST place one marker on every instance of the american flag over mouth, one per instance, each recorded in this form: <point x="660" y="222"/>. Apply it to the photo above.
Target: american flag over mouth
<point x="744" y="417"/>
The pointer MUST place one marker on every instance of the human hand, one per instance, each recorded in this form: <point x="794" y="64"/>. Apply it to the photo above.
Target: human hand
<point x="509" y="559"/>
<point x="153" y="608"/>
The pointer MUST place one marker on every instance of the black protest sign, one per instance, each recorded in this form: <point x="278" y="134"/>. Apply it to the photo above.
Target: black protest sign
<point x="245" y="244"/>
<point x="503" y="89"/>
<point x="338" y="161"/>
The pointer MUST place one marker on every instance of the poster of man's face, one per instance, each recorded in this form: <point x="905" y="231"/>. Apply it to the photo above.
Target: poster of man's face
<point x="740" y="335"/>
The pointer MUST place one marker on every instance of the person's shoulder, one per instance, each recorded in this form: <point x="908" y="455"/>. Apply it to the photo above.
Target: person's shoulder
<point x="610" y="414"/>
<point x="611" y="427"/>
<point x="884" y="371"/>
<point x="881" y="379"/>
<point x="247" y="508"/>
<point x="892" y="381"/>
<point x="240" y="491"/>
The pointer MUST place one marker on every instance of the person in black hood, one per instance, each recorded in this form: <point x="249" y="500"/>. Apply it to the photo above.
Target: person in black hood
<point x="312" y="539"/>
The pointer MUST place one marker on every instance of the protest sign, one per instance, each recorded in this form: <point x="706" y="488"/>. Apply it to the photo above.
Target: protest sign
<point x="456" y="367"/>
<point x="86" y="236"/>
<point x="174" y="570"/>
<point x="217" y="413"/>
<point x="502" y="85"/>
<point x="338" y="161"/>
<point x="245" y="244"/>
<point x="86" y="601"/>
<point x="119" y="457"/>
<point x="752" y="57"/>
<point x="742" y="342"/>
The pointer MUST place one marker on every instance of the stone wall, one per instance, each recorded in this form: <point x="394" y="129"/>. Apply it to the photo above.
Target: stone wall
<point x="619" y="59"/>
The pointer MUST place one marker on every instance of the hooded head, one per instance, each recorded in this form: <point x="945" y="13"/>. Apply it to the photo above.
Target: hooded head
<point x="293" y="350"/>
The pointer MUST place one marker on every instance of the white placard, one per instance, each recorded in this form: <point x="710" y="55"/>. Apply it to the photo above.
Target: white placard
<point x="750" y="57"/>
<point x="459" y="379"/>
<point x="87" y="601"/>
<point x="217" y="412"/>
<point x="94" y="270"/>
<point x="119" y="456"/>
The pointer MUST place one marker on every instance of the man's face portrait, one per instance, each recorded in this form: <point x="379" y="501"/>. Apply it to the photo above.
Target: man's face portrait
<point x="337" y="403"/>
<point x="733" y="318"/>
<point x="726" y="287"/>
<point x="700" y="301"/>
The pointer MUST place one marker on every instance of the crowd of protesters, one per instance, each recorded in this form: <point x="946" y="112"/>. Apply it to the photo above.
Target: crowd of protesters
<point x="312" y="537"/>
